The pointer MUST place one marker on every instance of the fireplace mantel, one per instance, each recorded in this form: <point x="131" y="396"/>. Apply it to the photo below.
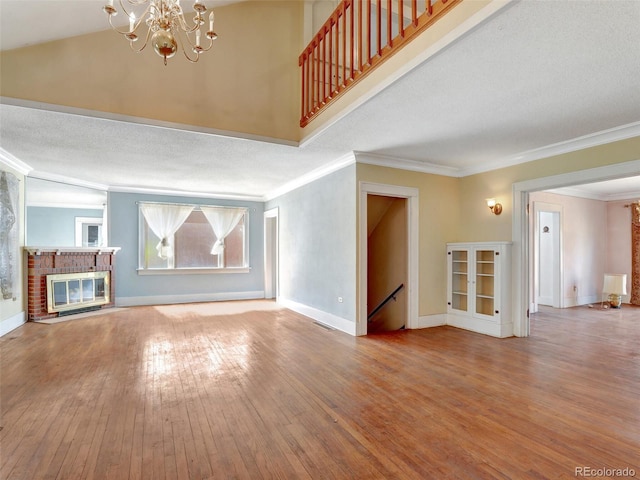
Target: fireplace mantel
<point x="61" y="250"/>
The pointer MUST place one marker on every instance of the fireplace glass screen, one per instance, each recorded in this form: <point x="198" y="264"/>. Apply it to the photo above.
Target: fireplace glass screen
<point x="77" y="290"/>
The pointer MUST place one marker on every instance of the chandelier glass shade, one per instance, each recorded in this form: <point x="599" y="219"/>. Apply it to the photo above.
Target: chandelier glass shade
<point x="167" y="30"/>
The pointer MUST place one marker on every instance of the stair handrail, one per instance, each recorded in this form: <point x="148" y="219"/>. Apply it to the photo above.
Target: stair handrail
<point x="392" y="295"/>
<point x="350" y="44"/>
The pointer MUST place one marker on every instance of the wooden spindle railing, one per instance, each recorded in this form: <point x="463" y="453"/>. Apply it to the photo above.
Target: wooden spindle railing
<point x="351" y="43"/>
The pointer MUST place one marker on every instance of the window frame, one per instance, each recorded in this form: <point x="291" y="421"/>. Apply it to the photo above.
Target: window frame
<point x="81" y="230"/>
<point x="172" y="270"/>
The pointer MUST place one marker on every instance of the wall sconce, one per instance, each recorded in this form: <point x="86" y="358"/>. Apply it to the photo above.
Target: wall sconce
<point x="495" y="207"/>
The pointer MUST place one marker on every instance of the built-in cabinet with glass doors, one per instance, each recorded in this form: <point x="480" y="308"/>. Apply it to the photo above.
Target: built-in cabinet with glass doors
<point x="478" y="287"/>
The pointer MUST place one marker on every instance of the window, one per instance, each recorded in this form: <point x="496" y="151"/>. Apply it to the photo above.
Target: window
<point x="189" y="239"/>
<point x="88" y="231"/>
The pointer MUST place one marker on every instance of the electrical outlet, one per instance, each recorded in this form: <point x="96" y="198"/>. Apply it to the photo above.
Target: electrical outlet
<point x="339" y="299"/>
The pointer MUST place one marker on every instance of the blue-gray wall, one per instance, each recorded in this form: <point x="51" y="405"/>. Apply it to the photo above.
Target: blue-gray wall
<point x="135" y="289"/>
<point x="317" y="243"/>
<point x="55" y="227"/>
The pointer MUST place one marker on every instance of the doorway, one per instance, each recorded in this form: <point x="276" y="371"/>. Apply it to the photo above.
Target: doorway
<point x="522" y="253"/>
<point x="386" y="263"/>
<point x="271" y="253"/>
<point x="389" y="262"/>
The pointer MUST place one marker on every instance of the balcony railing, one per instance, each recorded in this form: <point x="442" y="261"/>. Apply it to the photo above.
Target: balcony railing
<point x="357" y="37"/>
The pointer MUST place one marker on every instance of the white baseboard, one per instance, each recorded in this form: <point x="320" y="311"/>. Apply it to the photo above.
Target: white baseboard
<point x="320" y="316"/>
<point x="12" y="323"/>
<point x="189" y="298"/>
<point x="581" y="300"/>
<point x="428" y="321"/>
<point x="479" y="325"/>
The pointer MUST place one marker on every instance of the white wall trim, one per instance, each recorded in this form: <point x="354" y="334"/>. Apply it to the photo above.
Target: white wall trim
<point x="53" y="177"/>
<point x="411" y="194"/>
<point x="579" y="192"/>
<point x="187" y="298"/>
<point x="11" y="161"/>
<point x="591" y="175"/>
<point x="182" y="193"/>
<point x="520" y="231"/>
<point x="320" y="316"/>
<point x="11" y="323"/>
<point x="429" y="321"/>
<point x="575" y="301"/>
<point x="404" y="164"/>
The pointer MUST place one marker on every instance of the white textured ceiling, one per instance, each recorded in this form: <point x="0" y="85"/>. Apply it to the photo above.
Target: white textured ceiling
<point x="534" y="75"/>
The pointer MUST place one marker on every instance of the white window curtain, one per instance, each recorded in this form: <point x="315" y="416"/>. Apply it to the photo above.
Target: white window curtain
<point x="164" y="221"/>
<point x="223" y="221"/>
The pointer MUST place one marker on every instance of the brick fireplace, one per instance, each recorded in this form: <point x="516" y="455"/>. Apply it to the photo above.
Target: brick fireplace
<point x="44" y="261"/>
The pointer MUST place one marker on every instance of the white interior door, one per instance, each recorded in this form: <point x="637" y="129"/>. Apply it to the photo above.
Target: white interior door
<point x="548" y="255"/>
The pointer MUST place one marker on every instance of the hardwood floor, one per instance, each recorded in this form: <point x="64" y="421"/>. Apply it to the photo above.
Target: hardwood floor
<point x="250" y="391"/>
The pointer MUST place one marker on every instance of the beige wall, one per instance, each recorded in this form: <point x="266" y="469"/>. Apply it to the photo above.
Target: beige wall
<point x="439" y="221"/>
<point x="11" y="308"/>
<point x="479" y="224"/>
<point x="247" y="83"/>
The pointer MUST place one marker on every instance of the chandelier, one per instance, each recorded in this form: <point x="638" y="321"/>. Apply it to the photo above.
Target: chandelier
<point x="166" y="27"/>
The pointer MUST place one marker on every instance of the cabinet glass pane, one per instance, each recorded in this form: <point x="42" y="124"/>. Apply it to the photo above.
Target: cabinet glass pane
<point x="484" y="306"/>
<point x="459" y="255"/>
<point x="484" y="255"/>
<point x="484" y="286"/>
<point x="459" y="283"/>
<point x="484" y="293"/>
<point x="459" y="302"/>
<point x="459" y="263"/>
<point x="484" y="268"/>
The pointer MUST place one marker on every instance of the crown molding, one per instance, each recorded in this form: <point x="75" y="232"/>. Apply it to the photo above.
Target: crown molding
<point x="405" y="164"/>
<point x="603" y="137"/>
<point x="623" y="196"/>
<point x="14" y="163"/>
<point x="579" y="192"/>
<point x="183" y="193"/>
<point x="591" y="175"/>
<point x="52" y="177"/>
<point x="312" y="176"/>
<point x="623" y="132"/>
<point x="143" y="191"/>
